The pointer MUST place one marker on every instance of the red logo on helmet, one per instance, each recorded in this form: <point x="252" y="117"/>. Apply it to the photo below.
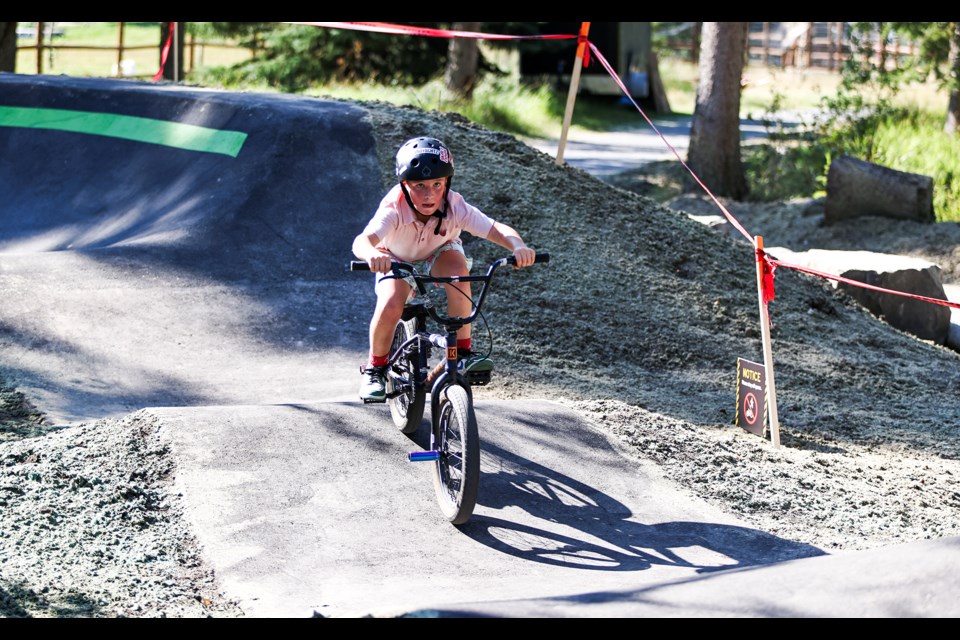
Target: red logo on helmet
<point x="444" y="155"/>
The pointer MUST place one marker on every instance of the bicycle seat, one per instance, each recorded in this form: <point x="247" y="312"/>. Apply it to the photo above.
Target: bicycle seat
<point x="412" y="309"/>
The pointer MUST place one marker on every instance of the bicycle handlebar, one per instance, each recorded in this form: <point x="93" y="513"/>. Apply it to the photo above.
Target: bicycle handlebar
<point x="360" y="265"/>
<point x="399" y="268"/>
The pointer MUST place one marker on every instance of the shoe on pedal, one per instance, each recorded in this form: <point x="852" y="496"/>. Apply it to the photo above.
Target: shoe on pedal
<point x="476" y="367"/>
<point x="373" y="384"/>
<point x="470" y="362"/>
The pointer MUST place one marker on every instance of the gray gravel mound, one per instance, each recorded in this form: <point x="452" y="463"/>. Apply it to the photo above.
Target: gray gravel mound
<point x="92" y="526"/>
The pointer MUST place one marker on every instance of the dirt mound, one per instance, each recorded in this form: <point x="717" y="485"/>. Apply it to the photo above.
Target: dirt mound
<point x="641" y="316"/>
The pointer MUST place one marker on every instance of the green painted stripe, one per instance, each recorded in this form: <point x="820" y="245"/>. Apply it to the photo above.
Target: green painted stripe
<point x="171" y="134"/>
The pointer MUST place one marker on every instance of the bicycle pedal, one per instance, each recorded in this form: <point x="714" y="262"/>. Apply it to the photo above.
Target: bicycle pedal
<point x="423" y="456"/>
<point x="374" y="401"/>
<point x="478" y="378"/>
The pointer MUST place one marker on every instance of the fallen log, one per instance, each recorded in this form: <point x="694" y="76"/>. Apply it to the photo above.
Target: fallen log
<point x="858" y="188"/>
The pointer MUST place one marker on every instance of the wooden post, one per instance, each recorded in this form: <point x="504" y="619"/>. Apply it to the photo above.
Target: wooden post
<point x="120" y="51"/>
<point x="766" y="43"/>
<point x="40" y="27"/>
<point x="767" y="351"/>
<point x="838" y="51"/>
<point x="827" y="56"/>
<point x="572" y="93"/>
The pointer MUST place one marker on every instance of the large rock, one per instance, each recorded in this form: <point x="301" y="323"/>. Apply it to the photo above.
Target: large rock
<point x="926" y="320"/>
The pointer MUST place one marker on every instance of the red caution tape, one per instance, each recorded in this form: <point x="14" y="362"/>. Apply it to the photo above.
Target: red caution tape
<point x="626" y="92"/>
<point x="766" y="281"/>
<point x="165" y="52"/>
<point x="403" y="29"/>
<point x="864" y="285"/>
<point x="768" y="264"/>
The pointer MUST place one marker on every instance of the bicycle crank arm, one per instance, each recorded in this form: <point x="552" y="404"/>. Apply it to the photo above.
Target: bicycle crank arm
<point x="423" y="456"/>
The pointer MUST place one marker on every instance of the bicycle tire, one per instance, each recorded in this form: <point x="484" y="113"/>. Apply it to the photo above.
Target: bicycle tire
<point x="456" y="474"/>
<point x="406" y="408"/>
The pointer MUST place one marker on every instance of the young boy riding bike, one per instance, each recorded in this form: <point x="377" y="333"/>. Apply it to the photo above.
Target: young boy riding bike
<point x="419" y="221"/>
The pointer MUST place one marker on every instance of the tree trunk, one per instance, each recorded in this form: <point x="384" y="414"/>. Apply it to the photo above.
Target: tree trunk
<point x="952" y="123"/>
<point x="859" y="188"/>
<point x="173" y="68"/>
<point x="714" y="152"/>
<point x="8" y="46"/>
<point x="658" y="92"/>
<point x="460" y="75"/>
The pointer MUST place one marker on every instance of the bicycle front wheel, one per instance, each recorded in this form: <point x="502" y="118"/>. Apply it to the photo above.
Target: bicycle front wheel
<point x="456" y="474"/>
<point x="404" y="397"/>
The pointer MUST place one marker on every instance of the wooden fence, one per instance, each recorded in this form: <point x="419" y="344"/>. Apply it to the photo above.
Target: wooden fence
<point x="44" y="42"/>
<point x="824" y="45"/>
<point x="780" y="44"/>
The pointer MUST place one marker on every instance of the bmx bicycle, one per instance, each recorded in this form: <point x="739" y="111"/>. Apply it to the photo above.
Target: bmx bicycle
<point x="454" y="445"/>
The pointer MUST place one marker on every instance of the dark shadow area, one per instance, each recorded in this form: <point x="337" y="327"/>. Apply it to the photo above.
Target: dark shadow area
<point x="19" y="601"/>
<point x="553" y="496"/>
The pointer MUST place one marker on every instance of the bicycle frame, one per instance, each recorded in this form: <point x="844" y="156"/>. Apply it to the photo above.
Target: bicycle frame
<point x="400" y="269"/>
<point x="454" y="435"/>
<point x="448" y="341"/>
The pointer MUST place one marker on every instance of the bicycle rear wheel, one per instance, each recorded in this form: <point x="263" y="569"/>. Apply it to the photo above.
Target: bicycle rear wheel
<point x="404" y="398"/>
<point x="456" y="475"/>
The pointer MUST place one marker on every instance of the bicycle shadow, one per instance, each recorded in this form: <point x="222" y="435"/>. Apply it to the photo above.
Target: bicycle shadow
<point x="624" y="544"/>
<point x="601" y="533"/>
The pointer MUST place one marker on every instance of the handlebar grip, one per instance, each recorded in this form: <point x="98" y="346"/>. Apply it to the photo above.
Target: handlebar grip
<point x="540" y="257"/>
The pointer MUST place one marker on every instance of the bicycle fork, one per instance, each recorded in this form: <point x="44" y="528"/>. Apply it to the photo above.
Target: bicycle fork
<point x="439" y="379"/>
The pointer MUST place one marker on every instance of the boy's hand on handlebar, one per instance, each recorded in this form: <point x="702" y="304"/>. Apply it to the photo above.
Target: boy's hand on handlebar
<point x="380" y="263"/>
<point x="524" y="257"/>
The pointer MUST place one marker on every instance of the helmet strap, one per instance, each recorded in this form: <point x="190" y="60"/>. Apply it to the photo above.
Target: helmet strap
<point x="439" y="213"/>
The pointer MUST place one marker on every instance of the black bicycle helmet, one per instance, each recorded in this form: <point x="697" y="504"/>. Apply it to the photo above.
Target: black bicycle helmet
<point x="425" y="158"/>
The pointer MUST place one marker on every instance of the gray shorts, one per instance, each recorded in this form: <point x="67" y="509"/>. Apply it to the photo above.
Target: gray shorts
<point x="426" y="266"/>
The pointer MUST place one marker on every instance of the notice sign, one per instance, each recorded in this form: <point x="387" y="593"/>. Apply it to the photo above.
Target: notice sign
<point x="751" y="396"/>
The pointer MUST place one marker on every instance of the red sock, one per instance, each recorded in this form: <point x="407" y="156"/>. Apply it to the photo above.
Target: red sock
<point x="379" y="361"/>
<point x="464" y="343"/>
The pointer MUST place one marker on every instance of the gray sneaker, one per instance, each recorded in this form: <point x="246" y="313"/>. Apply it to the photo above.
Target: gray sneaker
<point x="372" y="384"/>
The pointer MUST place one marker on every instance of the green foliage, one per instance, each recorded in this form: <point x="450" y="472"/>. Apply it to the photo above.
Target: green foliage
<point x="866" y="120"/>
<point x="863" y="121"/>
<point x="293" y="58"/>
<point x="782" y="172"/>
<point x="498" y="104"/>
<point x="934" y="39"/>
<point x="668" y="36"/>
<point x="849" y="125"/>
<point x="296" y="57"/>
<point x="912" y="140"/>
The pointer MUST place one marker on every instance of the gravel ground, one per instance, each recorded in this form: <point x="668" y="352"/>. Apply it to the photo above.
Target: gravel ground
<point x="637" y="323"/>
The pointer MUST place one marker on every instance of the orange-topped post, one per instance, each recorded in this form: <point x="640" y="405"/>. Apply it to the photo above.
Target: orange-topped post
<point x="574" y="86"/>
<point x="767" y="348"/>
